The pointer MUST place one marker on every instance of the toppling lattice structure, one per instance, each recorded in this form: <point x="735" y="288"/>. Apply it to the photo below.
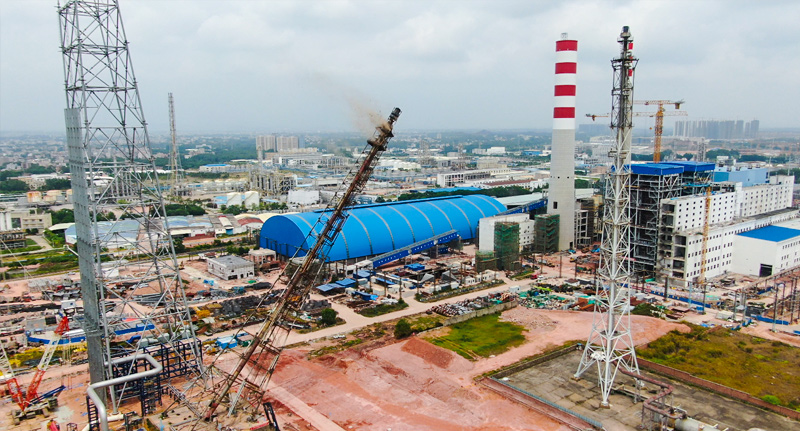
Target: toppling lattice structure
<point x="610" y="347"/>
<point x="506" y="245"/>
<point x="650" y="183"/>
<point x="545" y="239"/>
<point x="113" y="167"/>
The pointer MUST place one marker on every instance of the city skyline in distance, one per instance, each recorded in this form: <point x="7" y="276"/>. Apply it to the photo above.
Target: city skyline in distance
<point x="283" y="67"/>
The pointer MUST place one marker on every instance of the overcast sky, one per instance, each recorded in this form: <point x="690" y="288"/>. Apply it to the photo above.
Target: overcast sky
<point x="275" y="66"/>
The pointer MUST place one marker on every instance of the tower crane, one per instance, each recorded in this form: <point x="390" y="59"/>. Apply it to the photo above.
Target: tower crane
<point x="659" y="116"/>
<point x="272" y="333"/>
<point x="701" y="279"/>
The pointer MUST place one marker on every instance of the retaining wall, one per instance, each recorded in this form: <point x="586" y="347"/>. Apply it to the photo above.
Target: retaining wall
<point x="685" y="377"/>
<point x="478" y="313"/>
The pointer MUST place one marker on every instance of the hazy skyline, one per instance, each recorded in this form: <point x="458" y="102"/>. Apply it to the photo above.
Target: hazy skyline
<point x="289" y="66"/>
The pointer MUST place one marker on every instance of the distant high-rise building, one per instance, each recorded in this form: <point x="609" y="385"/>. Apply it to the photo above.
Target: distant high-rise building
<point x="264" y="143"/>
<point x="716" y="129"/>
<point x="287" y="143"/>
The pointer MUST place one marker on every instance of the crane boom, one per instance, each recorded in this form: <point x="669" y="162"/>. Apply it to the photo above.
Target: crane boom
<point x="302" y="280"/>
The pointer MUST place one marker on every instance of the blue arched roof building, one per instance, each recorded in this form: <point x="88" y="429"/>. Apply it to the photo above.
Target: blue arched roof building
<point x="375" y="229"/>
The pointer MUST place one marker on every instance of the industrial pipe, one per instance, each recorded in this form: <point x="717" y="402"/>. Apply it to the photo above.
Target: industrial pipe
<point x="91" y="391"/>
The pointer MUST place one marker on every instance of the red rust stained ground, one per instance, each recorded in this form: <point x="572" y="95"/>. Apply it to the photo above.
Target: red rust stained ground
<point x="415" y="386"/>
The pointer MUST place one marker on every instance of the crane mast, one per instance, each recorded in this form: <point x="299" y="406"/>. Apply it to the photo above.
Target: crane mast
<point x="701" y="279"/>
<point x="302" y="279"/>
<point x="659" y="128"/>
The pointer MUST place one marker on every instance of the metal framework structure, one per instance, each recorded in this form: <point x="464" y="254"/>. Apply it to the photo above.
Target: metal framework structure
<point x="112" y="167"/>
<point x="659" y="127"/>
<point x="610" y="344"/>
<point x="646" y="193"/>
<point x="257" y="364"/>
<point x="177" y="188"/>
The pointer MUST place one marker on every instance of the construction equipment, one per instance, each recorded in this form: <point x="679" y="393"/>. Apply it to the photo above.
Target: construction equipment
<point x="29" y="401"/>
<point x="270" y="338"/>
<point x="701" y="279"/>
<point x="659" y="116"/>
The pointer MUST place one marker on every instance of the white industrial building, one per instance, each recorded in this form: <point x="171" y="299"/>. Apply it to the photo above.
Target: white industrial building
<point x="300" y="197"/>
<point x="766" y="251"/>
<point x="247" y="199"/>
<point x="231" y="267"/>
<point x="486" y="230"/>
<point x="734" y="212"/>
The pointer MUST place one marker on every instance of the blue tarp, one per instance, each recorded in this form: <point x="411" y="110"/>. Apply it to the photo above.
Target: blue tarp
<point x="363" y="274"/>
<point x="227" y="342"/>
<point x="328" y="287"/>
<point x="366" y="296"/>
<point x="415" y="267"/>
<point x="347" y="282"/>
<point x="384" y="281"/>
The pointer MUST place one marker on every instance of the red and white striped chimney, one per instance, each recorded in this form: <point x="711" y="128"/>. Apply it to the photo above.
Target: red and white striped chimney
<point x="566" y="81"/>
<point x="561" y="196"/>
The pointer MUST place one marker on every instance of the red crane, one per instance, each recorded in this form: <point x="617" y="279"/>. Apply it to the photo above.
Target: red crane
<point x="24" y="398"/>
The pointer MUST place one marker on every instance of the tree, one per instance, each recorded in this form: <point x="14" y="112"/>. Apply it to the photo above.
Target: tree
<point x="328" y="317"/>
<point x="179" y="246"/>
<point x="402" y="329"/>
<point x="380" y="200"/>
<point x="63" y="216"/>
<point x="11" y="186"/>
<point x="56" y="184"/>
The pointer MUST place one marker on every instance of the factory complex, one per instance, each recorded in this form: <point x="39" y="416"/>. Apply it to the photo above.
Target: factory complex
<point x="419" y="281"/>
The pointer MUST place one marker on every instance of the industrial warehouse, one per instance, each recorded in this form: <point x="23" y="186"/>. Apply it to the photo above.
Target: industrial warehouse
<point x="444" y="280"/>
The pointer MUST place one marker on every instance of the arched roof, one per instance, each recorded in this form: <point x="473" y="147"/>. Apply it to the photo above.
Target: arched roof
<point x="380" y="228"/>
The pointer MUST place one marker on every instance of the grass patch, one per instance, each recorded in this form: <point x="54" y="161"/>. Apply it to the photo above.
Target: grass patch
<point x="382" y="309"/>
<point x="764" y="369"/>
<point x="344" y="345"/>
<point x="481" y="337"/>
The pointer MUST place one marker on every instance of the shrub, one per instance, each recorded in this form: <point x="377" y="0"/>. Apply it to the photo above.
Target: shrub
<point x="402" y="329"/>
<point x="772" y="399"/>
<point x="328" y="317"/>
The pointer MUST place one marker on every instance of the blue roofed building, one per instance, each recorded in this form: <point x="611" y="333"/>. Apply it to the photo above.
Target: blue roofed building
<point x="766" y="251"/>
<point x="372" y="230"/>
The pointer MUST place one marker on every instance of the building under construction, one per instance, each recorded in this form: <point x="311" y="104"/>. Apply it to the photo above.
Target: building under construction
<point x="546" y="233"/>
<point x="651" y="183"/>
<point x="506" y="245"/>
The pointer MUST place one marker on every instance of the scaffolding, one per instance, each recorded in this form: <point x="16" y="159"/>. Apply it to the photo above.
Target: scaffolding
<point x="545" y="239"/>
<point x="647" y="191"/>
<point x="485" y="260"/>
<point x="506" y="245"/>
<point x="585" y="223"/>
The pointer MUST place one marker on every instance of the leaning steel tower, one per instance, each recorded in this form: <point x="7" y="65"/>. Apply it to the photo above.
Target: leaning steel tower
<point x="132" y="292"/>
<point x="610" y="345"/>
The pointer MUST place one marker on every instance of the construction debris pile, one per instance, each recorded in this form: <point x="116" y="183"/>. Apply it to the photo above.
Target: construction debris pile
<point x="469" y="305"/>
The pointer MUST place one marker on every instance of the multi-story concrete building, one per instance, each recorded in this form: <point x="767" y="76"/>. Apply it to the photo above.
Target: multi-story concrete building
<point x="231" y="267"/>
<point x="732" y="212"/>
<point x="287" y="143"/>
<point x="486" y="230"/>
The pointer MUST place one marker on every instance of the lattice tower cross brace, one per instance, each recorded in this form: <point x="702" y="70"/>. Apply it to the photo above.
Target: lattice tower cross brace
<point x="610" y="344"/>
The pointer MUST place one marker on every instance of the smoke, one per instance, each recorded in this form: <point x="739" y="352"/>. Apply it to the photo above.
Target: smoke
<point x="364" y="115"/>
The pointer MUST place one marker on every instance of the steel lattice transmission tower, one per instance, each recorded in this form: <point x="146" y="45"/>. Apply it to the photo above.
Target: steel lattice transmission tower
<point x="176" y="174"/>
<point x="610" y="345"/>
<point x="132" y="292"/>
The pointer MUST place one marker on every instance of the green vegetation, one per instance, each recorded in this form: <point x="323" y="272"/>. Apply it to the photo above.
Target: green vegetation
<point x="13" y="186"/>
<point x="482" y="336"/>
<point x="754" y="365"/>
<point x="184" y="210"/>
<point x="328" y="317"/>
<point x="383" y="309"/>
<point x="56" y="184"/>
<point x="402" y="329"/>
<point x="498" y="192"/>
<point x="646" y="309"/>
<point x="63" y="216"/>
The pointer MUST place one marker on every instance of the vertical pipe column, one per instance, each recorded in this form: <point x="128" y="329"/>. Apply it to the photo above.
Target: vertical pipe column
<point x="561" y="199"/>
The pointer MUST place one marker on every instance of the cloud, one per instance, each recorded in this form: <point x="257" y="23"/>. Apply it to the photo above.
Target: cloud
<point x="248" y="66"/>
